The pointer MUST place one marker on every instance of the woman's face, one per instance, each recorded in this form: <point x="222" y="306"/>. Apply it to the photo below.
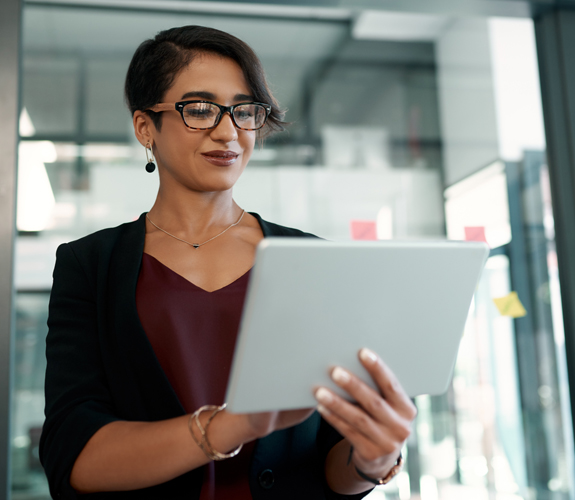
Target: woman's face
<point x="204" y="160"/>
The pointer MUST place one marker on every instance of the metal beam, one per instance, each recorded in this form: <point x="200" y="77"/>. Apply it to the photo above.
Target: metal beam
<point x="555" y="35"/>
<point x="316" y="9"/>
<point x="10" y="24"/>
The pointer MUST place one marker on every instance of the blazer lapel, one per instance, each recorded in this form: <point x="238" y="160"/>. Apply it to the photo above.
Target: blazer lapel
<point x="148" y="390"/>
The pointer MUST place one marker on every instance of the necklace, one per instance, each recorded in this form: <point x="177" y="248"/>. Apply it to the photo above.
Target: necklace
<point x="197" y="245"/>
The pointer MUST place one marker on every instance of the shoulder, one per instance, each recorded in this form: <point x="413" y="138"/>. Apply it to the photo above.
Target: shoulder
<point x="272" y="229"/>
<point x="102" y="243"/>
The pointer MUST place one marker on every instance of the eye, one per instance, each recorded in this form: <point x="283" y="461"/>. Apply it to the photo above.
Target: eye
<point x="243" y="114"/>
<point x="200" y="111"/>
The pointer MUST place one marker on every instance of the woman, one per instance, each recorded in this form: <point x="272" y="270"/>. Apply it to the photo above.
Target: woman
<point x="143" y="317"/>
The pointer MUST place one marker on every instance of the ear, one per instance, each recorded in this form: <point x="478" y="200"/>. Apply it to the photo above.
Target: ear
<point x="143" y="128"/>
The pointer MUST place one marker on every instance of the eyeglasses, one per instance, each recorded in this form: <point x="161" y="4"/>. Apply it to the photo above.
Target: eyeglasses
<point x="204" y="115"/>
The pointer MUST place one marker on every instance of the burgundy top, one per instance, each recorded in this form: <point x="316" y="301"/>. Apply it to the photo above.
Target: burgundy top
<point x="193" y="333"/>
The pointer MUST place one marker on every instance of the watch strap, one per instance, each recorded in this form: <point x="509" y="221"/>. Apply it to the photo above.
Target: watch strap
<point x="390" y="475"/>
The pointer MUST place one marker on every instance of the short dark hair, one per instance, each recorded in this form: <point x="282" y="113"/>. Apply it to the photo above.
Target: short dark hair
<point x="157" y="62"/>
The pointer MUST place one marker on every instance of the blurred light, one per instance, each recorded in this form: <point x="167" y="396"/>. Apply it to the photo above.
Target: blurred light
<point x="264" y="154"/>
<point x="474" y="465"/>
<point x="428" y="486"/>
<point x="384" y="223"/>
<point x="377" y="494"/>
<point x="26" y="126"/>
<point x="403" y="486"/>
<point x="35" y="200"/>
<point x="480" y="200"/>
<point x="423" y="430"/>
<point x="516" y="86"/>
<point x="65" y="210"/>
<point x="21" y="441"/>
<point x="44" y="151"/>
<point x="554" y="484"/>
<point x="380" y="25"/>
<point x="94" y="152"/>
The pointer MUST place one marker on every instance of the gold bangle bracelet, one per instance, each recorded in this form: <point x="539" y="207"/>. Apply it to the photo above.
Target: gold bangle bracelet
<point x="204" y="442"/>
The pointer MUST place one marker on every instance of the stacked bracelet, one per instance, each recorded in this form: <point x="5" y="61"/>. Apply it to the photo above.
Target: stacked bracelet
<point x="204" y="442"/>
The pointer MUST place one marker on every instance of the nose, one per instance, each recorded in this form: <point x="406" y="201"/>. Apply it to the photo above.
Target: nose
<point x="226" y="131"/>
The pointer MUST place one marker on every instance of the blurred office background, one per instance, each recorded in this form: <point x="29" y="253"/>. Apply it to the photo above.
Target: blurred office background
<point x="422" y="118"/>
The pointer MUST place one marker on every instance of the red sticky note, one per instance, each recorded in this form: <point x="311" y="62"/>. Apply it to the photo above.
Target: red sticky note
<point x="475" y="233"/>
<point x="363" y="230"/>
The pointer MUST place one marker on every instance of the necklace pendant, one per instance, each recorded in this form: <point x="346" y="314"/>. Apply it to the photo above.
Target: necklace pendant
<point x="195" y="245"/>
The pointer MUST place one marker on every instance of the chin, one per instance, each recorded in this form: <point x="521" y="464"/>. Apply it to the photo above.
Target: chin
<point x="219" y="186"/>
<point x="225" y="180"/>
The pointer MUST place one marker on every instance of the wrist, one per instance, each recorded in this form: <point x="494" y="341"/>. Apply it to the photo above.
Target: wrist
<point x="238" y="422"/>
<point x="218" y="433"/>
<point x="203" y="441"/>
<point x="260" y="425"/>
<point x="380" y="478"/>
<point x="246" y="426"/>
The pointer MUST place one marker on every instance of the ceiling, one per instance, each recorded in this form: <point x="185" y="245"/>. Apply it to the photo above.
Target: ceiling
<point x="288" y="48"/>
<point x="326" y="8"/>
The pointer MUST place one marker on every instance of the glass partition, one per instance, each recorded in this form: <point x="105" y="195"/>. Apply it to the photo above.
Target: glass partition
<point x="394" y="129"/>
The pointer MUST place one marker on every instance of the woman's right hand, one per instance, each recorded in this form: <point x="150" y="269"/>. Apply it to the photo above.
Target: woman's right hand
<point x="265" y="423"/>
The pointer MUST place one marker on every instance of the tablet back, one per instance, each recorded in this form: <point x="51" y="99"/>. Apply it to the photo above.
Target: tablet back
<point x="312" y="304"/>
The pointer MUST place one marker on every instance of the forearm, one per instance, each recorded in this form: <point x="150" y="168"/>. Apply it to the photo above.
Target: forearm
<point x="132" y="455"/>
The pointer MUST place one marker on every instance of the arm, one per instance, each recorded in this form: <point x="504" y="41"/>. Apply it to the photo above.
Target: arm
<point x="133" y="455"/>
<point x="376" y="427"/>
<point x="78" y="401"/>
<point x="85" y="447"/>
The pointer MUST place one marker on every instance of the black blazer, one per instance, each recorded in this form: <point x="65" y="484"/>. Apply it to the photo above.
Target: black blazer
<point x="101" y="368"/>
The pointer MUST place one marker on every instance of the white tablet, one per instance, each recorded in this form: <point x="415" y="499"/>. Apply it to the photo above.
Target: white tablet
<point x="312" y="304"/>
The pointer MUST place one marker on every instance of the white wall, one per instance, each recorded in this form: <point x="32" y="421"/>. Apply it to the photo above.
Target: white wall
<point x="466" y="98"/>
<point x="324" y="200"/>
<point x="517" y="88"/>
<point x="319" y="200"/>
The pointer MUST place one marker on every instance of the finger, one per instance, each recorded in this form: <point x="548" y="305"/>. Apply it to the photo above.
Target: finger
<point x="371" y="402"/>
<point x="353" y="416"/>
<point x="388" y="383"/>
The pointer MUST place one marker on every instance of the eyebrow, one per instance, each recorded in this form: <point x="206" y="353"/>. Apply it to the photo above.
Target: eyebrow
<point x="212" y="97"/>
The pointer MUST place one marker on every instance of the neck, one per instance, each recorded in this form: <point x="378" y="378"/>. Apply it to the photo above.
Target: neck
<point x="197" y="214"/>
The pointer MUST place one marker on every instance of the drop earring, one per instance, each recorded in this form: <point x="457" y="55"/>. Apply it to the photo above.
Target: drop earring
<point x="150" y="166"/>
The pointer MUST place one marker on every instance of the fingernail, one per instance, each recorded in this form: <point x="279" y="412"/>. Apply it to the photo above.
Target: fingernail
<point x="323" y="396"/>
<point x="323" y="410"/>
<point x="340" y="375"/>
<point x="368" y="356"/>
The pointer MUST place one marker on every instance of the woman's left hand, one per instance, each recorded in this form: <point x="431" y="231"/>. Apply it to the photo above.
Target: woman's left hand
<point x="378" y="424"/>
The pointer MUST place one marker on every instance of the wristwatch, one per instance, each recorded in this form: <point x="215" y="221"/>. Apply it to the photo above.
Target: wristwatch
<point x="390" y="475"/>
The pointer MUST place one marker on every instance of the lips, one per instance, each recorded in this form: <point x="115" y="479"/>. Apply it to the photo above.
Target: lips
<point x="221" y="154"/>
<point x="221" y="158"/>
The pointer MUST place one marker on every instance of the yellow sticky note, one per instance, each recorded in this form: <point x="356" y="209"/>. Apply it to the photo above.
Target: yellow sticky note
<point x="510" y="305"/>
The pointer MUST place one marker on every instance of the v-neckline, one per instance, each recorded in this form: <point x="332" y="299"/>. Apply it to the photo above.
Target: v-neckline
<point x="170" y="270"/>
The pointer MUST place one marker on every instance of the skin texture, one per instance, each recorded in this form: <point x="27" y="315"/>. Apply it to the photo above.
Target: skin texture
<point x="377" y="426"/>
<point x="195" y="203"/>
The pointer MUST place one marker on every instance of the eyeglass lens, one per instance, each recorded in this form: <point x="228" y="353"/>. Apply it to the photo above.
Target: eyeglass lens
<point x="204" y="115"/>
